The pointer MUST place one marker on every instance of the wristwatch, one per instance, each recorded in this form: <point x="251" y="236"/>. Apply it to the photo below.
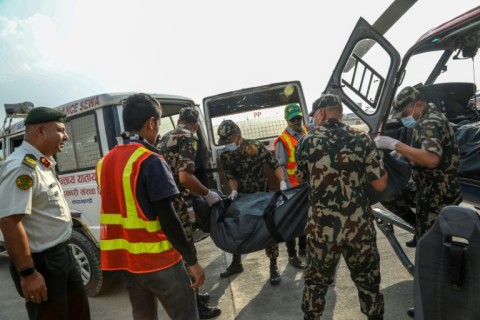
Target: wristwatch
<point x="26" y="272"/>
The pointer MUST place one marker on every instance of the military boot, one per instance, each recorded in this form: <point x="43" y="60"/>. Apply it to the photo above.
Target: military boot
<point x="234" y="267"/>
<point x="274" y="274"/>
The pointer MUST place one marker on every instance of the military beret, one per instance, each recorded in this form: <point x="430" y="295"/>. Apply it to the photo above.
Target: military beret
<point x="292" y="110"/>
<point x="226" y="130"/>
<point x="403" y="99"/>
<point x="188" y="114"/>
<point x="44" y="114"/>
<point x="327" y="100"/>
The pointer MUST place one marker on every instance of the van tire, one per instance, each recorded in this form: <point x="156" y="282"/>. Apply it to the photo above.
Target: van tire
<point x="88" y="259"/>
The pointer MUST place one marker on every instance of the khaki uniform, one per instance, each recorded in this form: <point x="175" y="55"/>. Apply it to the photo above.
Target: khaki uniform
<point x="28" y="187"/>
<point x="338" y="162"/>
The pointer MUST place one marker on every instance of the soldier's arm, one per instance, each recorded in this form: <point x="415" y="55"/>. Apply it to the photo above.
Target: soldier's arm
<point x="189" y="181"/>
<point x="420" y="157"/>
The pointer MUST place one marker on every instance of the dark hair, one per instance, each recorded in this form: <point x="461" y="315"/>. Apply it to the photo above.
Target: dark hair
<point x="137" y="109"/>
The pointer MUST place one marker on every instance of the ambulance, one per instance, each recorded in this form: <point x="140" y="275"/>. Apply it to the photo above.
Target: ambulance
<point x="94" y="123"/>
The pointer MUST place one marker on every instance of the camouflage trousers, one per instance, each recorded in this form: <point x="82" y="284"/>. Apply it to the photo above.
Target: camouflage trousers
<point x="363" y="261"/>
<point x="272" y="251"/>
<point x="427" y="206"/>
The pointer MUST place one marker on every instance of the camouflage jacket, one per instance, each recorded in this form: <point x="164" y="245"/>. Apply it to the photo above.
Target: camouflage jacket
<point x="434" y="133"/>
<point x="246" y="165"/>
<point x="179" y="148"/>
<point x="337" y="162"/>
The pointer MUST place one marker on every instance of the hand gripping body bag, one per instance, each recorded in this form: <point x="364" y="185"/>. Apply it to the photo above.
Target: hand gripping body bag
<point x="254" y="221"/>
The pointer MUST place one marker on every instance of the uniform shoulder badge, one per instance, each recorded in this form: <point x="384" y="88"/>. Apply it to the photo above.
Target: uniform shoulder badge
<point x="24" y="182"/>
<point x="29" y="161"/>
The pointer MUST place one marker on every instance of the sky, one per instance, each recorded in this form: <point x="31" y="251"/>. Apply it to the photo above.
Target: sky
<point x="56" y="51"/>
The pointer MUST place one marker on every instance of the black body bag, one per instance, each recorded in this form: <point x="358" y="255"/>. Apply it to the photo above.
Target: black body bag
<point x="255" y="221"/>
<point x="399" y="172"/>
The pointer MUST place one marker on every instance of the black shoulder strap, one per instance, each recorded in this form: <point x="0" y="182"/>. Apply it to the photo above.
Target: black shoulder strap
<point x="456" y="263"/>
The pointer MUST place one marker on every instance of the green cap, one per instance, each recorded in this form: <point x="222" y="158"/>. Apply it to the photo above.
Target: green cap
<point x="406" y="96"/>
<point x="188" y="114"/>
<point x="226" y="130"/>
<point x="44" y="114"/>
<point x="292" y="110"/>
<point x="327" y="100"/>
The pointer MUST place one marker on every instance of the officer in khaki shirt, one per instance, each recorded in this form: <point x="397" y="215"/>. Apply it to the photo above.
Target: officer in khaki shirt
<point x="36" y="222"/>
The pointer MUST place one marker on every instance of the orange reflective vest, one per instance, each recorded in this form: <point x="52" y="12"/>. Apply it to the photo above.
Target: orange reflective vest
<point x="128" y="239"/>
<point x="290" y="142"/>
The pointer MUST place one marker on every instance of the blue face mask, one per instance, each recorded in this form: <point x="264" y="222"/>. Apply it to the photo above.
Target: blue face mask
<point x="409" y="122"/>
<point x="231" y="147"/>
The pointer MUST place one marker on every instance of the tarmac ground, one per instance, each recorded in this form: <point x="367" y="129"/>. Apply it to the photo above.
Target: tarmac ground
<point x="249" y="295"/>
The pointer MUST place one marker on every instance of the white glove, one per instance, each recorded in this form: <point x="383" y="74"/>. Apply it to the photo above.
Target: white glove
<point x="233" y="195"/>
<point x="283" y="185"/>
<point x="212" y="198"/>
<point x="385" y="142"/>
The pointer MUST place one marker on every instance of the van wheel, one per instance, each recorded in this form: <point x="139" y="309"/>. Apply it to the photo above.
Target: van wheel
<point x="88" y="259"/>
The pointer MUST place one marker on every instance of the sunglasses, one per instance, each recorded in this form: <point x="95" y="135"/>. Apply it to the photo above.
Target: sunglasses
<point x="296" y="119"/>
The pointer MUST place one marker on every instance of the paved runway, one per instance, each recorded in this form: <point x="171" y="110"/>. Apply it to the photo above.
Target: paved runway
<point x="249" y="295"/>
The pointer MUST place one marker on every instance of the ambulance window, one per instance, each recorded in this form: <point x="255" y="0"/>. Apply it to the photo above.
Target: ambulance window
<point x="15" y="142"/>
<point x="82" y="150"/>
<point x="167" y="124"/>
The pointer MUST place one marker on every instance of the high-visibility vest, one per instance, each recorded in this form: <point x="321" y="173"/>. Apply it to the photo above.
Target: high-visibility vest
<point x="290" y="142"/>
<point x="128" y="239"/>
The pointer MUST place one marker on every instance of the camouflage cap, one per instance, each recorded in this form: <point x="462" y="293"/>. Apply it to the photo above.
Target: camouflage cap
<point x="226" y="130"/>
<point x="292" y="110"/>
<point x="44" y="114"/>
<point x="188" y="114"/>
<point x="327" y="100"/>
<point x="403" y="99"/>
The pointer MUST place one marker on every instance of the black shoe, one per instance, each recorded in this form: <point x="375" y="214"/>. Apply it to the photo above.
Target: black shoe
<point x="411" y="312"/>
<point x="207" y="312"/>
<point x="411" y="243"/>
<point x="302" y="252"/>
<point x="231" y="270"/>
<point x="296" y="262"/>
<point x="274" y="274"/>
<point x="203" y="297"/>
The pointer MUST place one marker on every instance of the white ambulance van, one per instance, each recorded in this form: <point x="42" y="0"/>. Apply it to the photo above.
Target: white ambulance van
<point x="92" y="125"/>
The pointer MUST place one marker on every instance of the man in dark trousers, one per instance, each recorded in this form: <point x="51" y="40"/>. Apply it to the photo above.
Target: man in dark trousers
<point x="140" y="232"/>
<point x="36" y="223"/>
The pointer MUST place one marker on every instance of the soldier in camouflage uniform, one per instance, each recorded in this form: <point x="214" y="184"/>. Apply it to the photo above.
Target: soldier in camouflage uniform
<point x="243" y="160"/>
<point x="338" y="162"/>
<point x="179" y="148"/>
<point x="433" y="154"/>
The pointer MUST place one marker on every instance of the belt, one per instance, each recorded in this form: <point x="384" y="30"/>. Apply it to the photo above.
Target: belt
<point x="55" y="248"/>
